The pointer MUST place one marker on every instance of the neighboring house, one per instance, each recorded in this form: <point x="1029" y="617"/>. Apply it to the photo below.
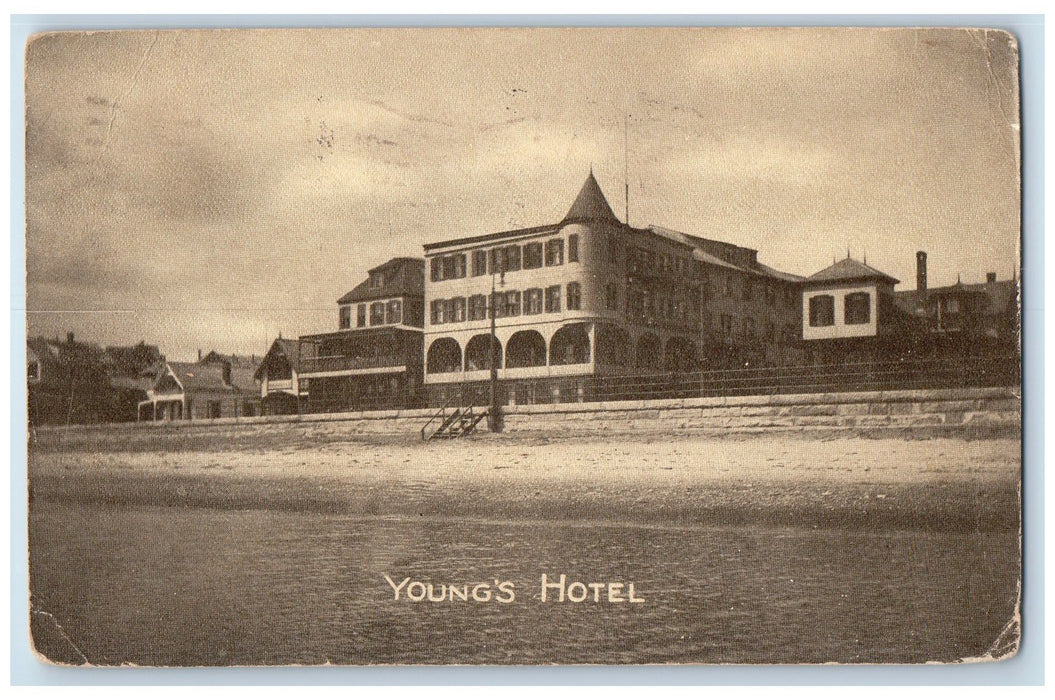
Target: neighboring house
<point x="67" y="383"/>
<point x="591" y="296"/>
<point x="373" y="360"/>
<point x="132" y="360"/>
<point x="279" y="378"/>
<point x="966" y="318"/>
<point x="132" y="370"/>
<point x="34" y="365"/>
<point x="201" y="390"/>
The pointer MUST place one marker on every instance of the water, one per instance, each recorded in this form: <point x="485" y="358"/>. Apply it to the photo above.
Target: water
<point x="194" y="586"/>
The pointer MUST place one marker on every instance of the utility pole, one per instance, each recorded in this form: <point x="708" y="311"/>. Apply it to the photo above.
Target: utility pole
<point x="494" y="420"/>
<point x="626" y="167"/>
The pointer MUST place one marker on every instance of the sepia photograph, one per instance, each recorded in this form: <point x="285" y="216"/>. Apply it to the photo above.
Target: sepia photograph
<point x="523" y="346"/>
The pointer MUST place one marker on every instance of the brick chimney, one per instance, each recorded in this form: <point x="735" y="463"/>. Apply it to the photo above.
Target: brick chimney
<point x="990" y="277"/>
<point x="921" y="273"/>
<point x="226" y="373"/>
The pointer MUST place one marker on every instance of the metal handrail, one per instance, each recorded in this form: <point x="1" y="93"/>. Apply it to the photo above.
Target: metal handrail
<point x="442" y="412"/>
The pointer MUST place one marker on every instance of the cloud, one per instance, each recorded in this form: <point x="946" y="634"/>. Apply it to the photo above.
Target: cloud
<point x="252" y="172"/>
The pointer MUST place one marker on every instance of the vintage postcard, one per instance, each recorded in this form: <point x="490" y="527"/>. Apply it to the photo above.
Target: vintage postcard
<point x="523" y="346"/>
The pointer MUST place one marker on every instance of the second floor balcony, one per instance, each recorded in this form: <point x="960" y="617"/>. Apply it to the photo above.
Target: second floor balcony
<point x="350" y="363"/>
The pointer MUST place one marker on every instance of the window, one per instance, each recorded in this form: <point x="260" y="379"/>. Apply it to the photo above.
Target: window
<point x="573" y="248"/>
<point x="511" y="259"/>
<point x="456" y="310"/>
<point x="553" y="299"/>
<point x="360" y="316"/>
<point x="394" y="311"/>
<point x="437" y="311"/>
<point x="532" y="256"/>
<point x="611" y="296"/>
<point x="951" y="305"/>
<point x="377" y="313"/>
<point x="511" y="304"/>
<point x="822" y="310"/>
<point x="477" y="307"/>
<point x="448" y="267"/>
<point x="554" y="252"/>
<point x="479" y="263"/>
<point x="574" y="296"/>
<point x="533" y="301"/>
<point x="345" y="317"/>
<point x="771" y="294"/>
<point x="857" y="308"/>
<point x="505" y="259"/>
<point x="33" y="369"/>
<point x="746" y="293"/>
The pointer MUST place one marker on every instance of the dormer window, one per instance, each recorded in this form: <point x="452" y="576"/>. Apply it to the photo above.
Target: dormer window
<point x="345" y="320"/>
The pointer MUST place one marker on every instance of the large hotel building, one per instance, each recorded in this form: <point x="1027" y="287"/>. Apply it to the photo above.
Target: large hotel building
<point x="592" y="296"/>
<point x="590" y="307"/>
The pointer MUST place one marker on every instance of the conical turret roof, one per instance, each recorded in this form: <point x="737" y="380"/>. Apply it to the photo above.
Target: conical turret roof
<point x="591" y="204"/>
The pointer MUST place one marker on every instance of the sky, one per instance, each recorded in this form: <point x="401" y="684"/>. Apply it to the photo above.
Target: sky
<point x="212" y="189"/>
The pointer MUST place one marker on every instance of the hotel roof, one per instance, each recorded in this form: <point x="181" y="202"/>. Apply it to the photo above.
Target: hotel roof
<point x="849" y="269"/>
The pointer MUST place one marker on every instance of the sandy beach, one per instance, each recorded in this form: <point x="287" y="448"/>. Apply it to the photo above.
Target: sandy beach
<point x="938" y="483"/>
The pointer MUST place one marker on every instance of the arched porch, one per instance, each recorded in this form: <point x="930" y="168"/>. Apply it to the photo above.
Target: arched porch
<point x="570" y="345"/>
<point x="444" y="355"/>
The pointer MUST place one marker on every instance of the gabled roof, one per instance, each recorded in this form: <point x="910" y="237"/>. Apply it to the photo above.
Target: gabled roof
<point x="197" y="377"/>
<point x="44" y="348"/>
<point x="193" y="376"/>
<point x="409" y="279"/>
<point x="849" y="269"/>
<point x="1002" y="294"/>
<point x="591" y="204"/>
<point x="285" y="346"/>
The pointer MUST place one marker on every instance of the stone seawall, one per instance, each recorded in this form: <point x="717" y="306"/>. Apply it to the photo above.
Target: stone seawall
<point x="992" y="412"/>
<point x="963" y="412"/>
